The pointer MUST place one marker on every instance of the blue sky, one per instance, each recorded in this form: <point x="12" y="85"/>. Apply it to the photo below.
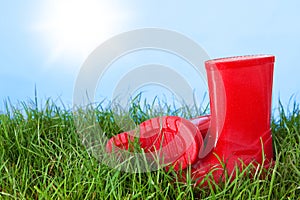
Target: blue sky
<point x="40" y="47"/>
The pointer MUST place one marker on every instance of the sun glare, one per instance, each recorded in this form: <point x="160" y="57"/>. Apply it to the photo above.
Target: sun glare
<point x="75" y="27"/>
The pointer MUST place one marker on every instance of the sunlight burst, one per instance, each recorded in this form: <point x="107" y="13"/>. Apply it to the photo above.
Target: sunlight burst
<point x="75" y="27"/>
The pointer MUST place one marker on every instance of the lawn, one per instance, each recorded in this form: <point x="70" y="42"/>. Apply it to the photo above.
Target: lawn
<point x="42" y="157"/>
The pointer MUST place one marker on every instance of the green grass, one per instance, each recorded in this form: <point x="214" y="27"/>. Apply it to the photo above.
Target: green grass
<point x="42" y="157"/>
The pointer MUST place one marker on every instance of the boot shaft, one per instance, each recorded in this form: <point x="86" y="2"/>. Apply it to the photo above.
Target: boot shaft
<point x="240" y="95"/>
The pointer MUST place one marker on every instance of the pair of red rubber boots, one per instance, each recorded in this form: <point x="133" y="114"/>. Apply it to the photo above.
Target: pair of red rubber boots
<point x="236" y="134"/>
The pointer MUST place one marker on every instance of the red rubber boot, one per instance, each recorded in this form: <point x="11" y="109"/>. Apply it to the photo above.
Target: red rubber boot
<point x="171" y="140"/>
<point x="240" y="90"/>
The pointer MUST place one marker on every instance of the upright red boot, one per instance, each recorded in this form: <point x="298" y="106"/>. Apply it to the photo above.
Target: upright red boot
<point x="240" y="90"/>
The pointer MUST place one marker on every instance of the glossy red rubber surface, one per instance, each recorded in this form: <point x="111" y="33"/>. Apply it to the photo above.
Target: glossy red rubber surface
<point x="172" y="140"/>
<point x="240" y="90"/>
<point x="202" y="123"/>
